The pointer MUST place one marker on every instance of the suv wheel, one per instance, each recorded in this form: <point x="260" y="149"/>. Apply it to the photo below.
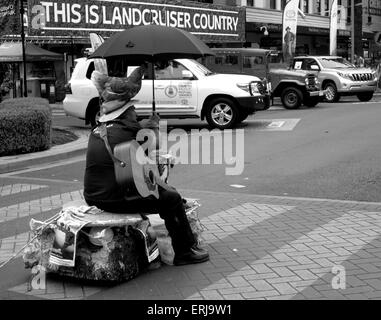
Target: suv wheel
<point x="222" y="113"/>
<point x="292" y="98"/>
<point x="332" y="95"/>
<point x="243" y="115"/>
<point x="366" y="96"/>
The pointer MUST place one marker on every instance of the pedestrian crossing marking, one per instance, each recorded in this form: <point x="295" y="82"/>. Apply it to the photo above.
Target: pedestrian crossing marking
<point x="276" y="124"/>
<point x="273" y="124"/>
<point x="238" y="186"/>
<point x="18" y="188"/>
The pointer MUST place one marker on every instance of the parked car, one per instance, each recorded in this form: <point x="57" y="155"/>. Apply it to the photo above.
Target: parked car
<point x="339" y="77"/>
<point x="186" y="89"/>
<point x="294" y="87"/>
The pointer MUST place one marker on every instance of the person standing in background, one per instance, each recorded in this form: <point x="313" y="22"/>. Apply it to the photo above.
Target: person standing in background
<point x="289" y="41"/>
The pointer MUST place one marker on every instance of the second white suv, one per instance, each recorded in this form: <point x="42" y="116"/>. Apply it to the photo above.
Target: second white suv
<point x="339" y="77"/>
<point x="184" y="89"/>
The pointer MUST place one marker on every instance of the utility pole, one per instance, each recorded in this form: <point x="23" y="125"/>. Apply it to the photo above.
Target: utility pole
<point x="22" y="11"/>
<point x="353" y="31"/>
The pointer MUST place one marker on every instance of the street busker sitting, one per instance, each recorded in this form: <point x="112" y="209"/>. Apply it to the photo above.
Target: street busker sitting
<point x="100" y="186"/>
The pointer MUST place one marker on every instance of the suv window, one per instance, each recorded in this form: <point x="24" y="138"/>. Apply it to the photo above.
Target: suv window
<point x="229" y="59"/>
<point x="90" y="70"/>
<point x="307" y="63"/>
<point x="298" y="64"/>
<point x="174" y="71"/>
<point x="252" y="61"/>
<point x="335" y="63"/>
<point x="304" y="64"/>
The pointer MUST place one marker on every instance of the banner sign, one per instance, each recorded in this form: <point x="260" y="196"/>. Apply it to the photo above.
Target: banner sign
<point x="377" y="39"/>
<point x="104" y="17"/>
<point x="10" y="17"/>
<point x="333" y="29"/>
<point x="290" y="22"/>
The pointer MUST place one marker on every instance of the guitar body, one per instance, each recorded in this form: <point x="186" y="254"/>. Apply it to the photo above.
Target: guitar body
<point x="138" y="178"/>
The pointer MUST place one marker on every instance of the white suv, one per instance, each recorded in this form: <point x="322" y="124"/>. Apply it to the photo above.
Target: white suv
<point x="184" y="89"/>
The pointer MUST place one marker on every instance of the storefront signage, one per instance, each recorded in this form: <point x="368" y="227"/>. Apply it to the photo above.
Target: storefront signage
<point x="10" y="17"/>
<point x="60" y="17"/>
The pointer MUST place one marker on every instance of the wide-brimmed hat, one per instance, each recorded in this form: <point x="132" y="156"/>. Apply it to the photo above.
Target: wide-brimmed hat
<point x="117" y="92"/>
<point x="114" y="109"/>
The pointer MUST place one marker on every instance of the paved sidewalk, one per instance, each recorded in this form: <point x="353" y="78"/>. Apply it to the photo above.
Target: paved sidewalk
<point x="261" y="248"/>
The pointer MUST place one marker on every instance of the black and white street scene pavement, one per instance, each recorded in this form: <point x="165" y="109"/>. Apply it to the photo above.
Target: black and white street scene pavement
<point x="299" y="215"/>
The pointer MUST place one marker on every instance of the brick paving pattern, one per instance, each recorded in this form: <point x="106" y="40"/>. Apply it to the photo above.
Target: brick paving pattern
<point x="17" y="188"/>
<point x="261" y="247"/>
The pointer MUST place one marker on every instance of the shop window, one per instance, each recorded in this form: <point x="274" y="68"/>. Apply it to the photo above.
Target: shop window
<point x="41" y="70"/>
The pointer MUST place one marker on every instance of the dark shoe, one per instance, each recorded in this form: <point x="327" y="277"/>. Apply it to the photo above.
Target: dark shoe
<point x="194" y="255"/>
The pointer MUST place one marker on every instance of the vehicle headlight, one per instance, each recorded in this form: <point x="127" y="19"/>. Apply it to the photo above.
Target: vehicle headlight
<point x="309" y="82"/>
<point x="375" y="78"/>
<point x="345" y="75"/>
<point x="255" y="87"/>
<point x="248" y="87"/>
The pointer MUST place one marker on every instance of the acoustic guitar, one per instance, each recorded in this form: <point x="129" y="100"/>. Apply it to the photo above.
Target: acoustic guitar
<point x="137" y="176"/>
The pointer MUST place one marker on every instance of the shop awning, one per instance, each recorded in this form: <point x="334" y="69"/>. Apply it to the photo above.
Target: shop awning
<point x="12" y="52"/>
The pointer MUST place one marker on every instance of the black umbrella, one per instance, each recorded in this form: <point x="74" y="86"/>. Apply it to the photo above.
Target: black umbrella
<point x="152" y="43"/>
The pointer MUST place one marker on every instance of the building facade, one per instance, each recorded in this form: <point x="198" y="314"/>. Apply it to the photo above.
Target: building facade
<point x="264" y="26"/>
<point x="64" y="25"/>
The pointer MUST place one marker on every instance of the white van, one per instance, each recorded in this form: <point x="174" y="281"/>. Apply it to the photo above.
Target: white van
<point x="185" y="89"/>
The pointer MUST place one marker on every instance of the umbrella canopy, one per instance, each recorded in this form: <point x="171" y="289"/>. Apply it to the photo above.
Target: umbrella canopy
<point x="12" y="52"/>
<point x="152" y="42"/>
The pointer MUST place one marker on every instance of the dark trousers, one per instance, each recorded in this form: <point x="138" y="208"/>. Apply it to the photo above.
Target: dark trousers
<point x="170" y="208"/>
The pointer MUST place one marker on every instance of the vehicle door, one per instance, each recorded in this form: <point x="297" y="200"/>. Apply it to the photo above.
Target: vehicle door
<point x="175" y="90"/>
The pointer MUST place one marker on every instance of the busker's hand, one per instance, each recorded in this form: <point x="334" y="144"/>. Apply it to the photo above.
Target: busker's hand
<point x="155" y="117"/>
<point x="153" y="121"/>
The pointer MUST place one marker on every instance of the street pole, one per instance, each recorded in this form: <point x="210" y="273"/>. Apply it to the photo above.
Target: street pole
<point x="22" y="11"/>
<point x="353" y="31"/>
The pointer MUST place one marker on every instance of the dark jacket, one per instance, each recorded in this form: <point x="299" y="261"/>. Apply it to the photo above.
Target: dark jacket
<point x="100" y="183"/>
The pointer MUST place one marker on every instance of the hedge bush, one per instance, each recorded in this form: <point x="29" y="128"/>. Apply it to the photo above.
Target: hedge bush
<point x="25" y="126"/>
